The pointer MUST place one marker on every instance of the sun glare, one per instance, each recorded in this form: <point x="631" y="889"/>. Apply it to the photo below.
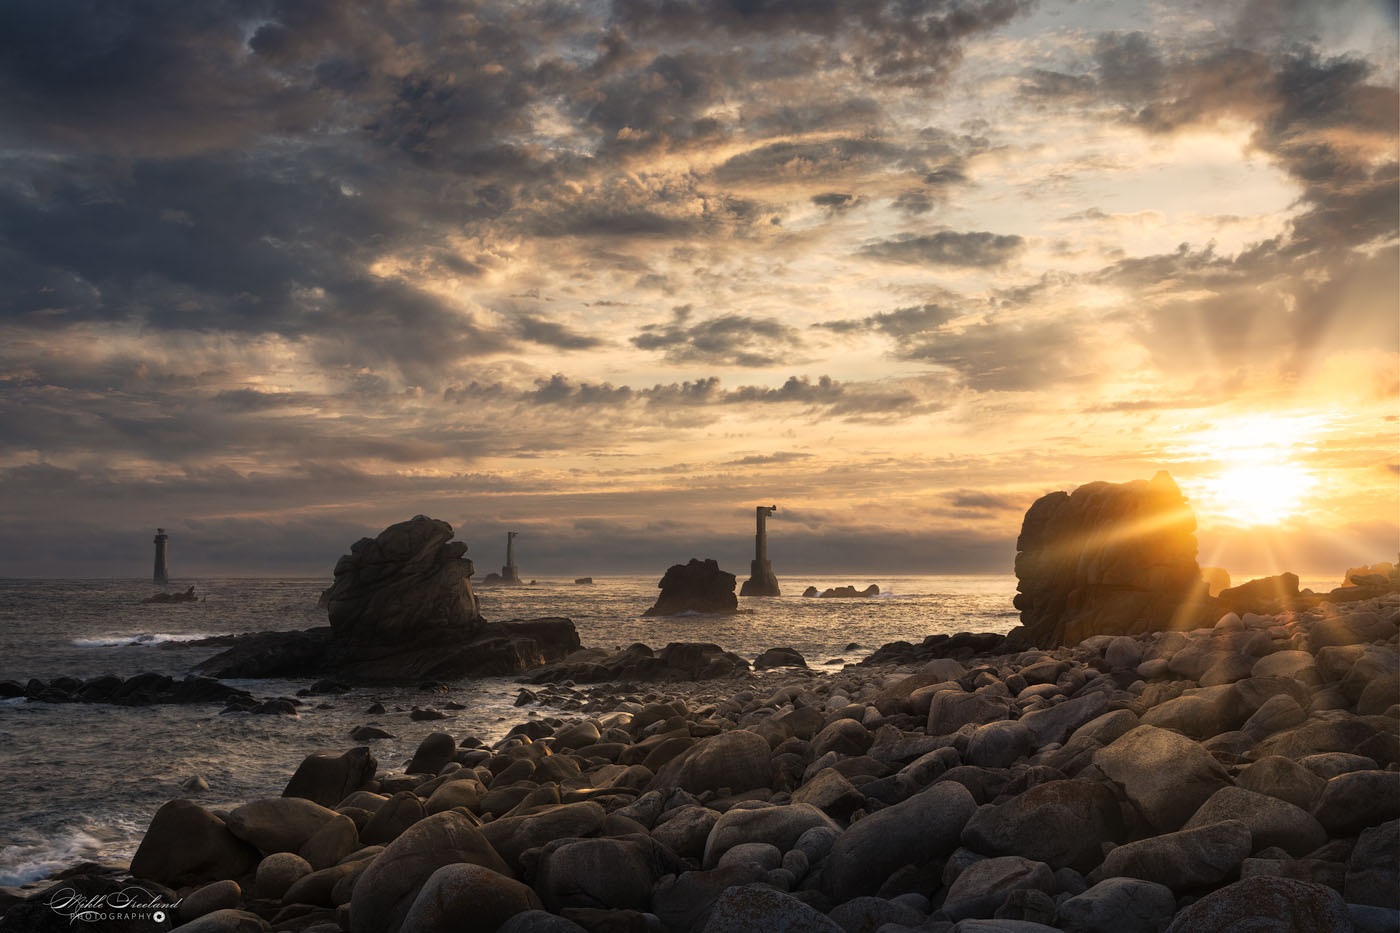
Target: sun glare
<point x="1257" y="479"/>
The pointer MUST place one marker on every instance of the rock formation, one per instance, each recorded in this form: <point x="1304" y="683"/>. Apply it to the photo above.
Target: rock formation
<point x="842" y="592"/>
<point x="186" y="597"/>
<point x="401" y="609"/>
<point x="761" y="581"/>
<point x="1217" y="579"/>
<point x="699" y="586"/>
<point x="1110" y="558"/>
<point x="409" y="586"/>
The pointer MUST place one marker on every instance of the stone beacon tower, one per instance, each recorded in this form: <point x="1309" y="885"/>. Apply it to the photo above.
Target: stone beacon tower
<point x="162" y="572"/>
<point x="509" y="573"/>
<point x="761" y="581"/>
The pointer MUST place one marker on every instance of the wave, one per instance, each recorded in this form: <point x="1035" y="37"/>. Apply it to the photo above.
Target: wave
<point x="143" y="640"/>
<point x="21" y="863"/>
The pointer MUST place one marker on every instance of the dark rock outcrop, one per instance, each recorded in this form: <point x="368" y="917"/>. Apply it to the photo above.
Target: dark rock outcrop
<point x="186" y="597"/>
<point x="148" y="689"/>
<point x="1109" y="559"/>
<point x="401" y="609"/>
<point x="678" y="661"/>
<point x="407" y="588"/>
<point x="1266" y="595"/>
<point x="698" y="586"/>
<point x="845" y="592"/>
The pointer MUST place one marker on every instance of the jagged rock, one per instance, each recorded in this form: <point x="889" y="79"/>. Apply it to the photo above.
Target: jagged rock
<point x="408" y="587"/>
<point x="1108" y="559"/>
<point x="848" y="592"/>
<point x="697" y="586"/>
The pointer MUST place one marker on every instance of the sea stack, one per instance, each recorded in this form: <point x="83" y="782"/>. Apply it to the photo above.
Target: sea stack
<point x="761" y="581"/>
<point x="162" y="571"/>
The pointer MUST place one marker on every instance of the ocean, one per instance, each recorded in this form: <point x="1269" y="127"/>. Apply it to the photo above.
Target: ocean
<point x="82" y="781"/>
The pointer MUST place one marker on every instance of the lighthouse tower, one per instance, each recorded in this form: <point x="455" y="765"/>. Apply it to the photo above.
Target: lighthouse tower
<point x="162" y="572"/>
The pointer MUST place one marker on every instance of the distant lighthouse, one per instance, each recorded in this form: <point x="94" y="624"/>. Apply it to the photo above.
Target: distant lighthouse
<point x="162" y="573"/>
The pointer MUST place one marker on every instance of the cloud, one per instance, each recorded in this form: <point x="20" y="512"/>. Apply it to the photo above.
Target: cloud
<point x="727" y="340"/>
<point x="947" y="248"/>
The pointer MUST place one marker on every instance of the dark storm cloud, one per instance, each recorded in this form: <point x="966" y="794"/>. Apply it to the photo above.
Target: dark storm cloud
<point x="887" y="40"/>
<point x="728" y="340"/>
<point x="947" y="248"/>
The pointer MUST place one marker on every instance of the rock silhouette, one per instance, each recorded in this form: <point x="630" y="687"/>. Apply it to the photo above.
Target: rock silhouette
<point x="1109" y="559"/>
<point x="697" y="586"/>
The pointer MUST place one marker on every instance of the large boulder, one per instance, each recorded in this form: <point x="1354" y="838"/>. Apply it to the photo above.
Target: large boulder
<point x="186" y="844"/>
<point x="279" y="824"/>
<point x="1287" y="904"/>
<point x="1061" y="823"/>
<point x="467" y="898"/>
<point x="1165" y="775"/>
<point x="1118" y="905"/>
<point x="1191" y="858"/>
<point x="388" y="888"/>
<point x="697" y="586"/>
<point x="407" y="586"/>
<point x="739" y="760"/>
<point x="1109" y="559"/>
<point x="756" y="908"/>
<point x="328" y="779"/>
<point x="924" y="828"/>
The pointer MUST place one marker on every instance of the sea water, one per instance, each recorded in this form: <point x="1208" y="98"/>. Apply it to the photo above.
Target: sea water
<point x="81" y="782"/>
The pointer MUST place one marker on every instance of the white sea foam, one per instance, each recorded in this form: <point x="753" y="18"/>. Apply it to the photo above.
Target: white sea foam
<point x="21" y="863"/>
<point x="143" y="640"/>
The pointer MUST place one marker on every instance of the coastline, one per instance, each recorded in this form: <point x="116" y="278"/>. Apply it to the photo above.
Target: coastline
<point x="877" y="732"/>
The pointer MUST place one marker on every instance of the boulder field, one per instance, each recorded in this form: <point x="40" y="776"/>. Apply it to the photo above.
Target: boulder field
<point x="1244" y="775"/>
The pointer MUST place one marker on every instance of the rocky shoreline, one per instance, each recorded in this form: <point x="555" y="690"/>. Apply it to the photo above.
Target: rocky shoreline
<point x="1175" y="781"/>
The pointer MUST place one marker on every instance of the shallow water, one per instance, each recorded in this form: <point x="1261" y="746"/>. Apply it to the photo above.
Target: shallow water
<point x="82" y="781"/>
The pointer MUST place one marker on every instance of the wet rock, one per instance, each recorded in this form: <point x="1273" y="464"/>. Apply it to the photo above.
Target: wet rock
<point x="779" y="657"/>
<point x="1165" y="775"/>
<point x="1118" y="905"/>
<point x="186" y="844"/>
<point x="328" y="779"/>
<point x="1061" y="823"/>
<point x="1288" y="905"/>
<point x="434" y="752"/>
<point x="922" y="828"/>
<point x="387" y="889"/>
<point x="697" y="586"/>
<point x="466" y="898"/>
<point x="1186" y="859"/>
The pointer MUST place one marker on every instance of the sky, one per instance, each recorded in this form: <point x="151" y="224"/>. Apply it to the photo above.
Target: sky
<point x="274" y="275"/>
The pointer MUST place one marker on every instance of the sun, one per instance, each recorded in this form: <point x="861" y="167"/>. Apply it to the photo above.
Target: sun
<point x="1256" y="493"/>
<point x="1249" y="472"/>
